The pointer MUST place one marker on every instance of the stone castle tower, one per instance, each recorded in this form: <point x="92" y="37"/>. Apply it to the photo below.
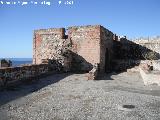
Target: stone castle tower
<point x="87" y="45"/>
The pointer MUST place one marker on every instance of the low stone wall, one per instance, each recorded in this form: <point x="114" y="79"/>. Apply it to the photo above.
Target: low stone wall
<point x="149" y="70"/>
<point x="11" y="75"/>
<point x="150" y="77"/>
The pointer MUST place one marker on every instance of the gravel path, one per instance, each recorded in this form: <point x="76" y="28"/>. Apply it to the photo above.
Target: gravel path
<point x="73" y="97"/>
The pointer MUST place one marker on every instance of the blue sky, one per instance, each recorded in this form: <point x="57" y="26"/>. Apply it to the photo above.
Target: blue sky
<point x="133" y="18"/>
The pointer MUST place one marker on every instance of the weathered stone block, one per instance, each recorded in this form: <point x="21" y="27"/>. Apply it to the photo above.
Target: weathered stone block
<point x="92" y="75"/>
<point x="150" y="77"/>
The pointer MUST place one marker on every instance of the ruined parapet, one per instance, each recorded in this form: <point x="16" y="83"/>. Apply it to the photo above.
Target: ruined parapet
<point x="127" y="53"/>
<point x="139" y="49"/>
<point x="12" y="75"/>
<point x="151" y="43"/>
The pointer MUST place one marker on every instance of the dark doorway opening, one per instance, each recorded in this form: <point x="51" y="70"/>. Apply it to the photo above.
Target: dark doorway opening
<point x="107" y="61"/>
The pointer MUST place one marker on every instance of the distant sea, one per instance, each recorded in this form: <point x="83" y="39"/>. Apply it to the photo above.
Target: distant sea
<point x="19" y="61"/>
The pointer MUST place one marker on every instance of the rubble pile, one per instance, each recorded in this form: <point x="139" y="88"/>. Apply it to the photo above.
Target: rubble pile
<point x="57" y="52"/>
<point x="92" y="75"/>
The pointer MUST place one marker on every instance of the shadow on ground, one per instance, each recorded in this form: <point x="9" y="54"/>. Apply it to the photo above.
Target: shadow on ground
<point x="14" y="92"/>
<point x="105" y="76"/>
<point x="79" y="65"/>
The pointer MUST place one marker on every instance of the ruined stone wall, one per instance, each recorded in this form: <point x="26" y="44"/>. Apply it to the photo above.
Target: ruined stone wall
<point x="12" y="75"/>
<point x="51" y="44"/>
<point x="140" y="49"/>
<point x="128" y="52"/>
<point x="85" y="46"/>
<point x="152" y="43"/>
<point x="45" y="42"/>
<point x="106" y="49"/>
<point x="126" y="49"/>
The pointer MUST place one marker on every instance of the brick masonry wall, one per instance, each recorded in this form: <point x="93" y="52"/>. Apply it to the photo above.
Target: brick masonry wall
<point x="85" y="46"/>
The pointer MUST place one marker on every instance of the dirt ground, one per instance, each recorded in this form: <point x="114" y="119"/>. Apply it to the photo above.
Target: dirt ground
<point x="113" y="96"/>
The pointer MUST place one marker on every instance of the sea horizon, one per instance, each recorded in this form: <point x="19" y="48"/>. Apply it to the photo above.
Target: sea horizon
<point x="19" y="61"/>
